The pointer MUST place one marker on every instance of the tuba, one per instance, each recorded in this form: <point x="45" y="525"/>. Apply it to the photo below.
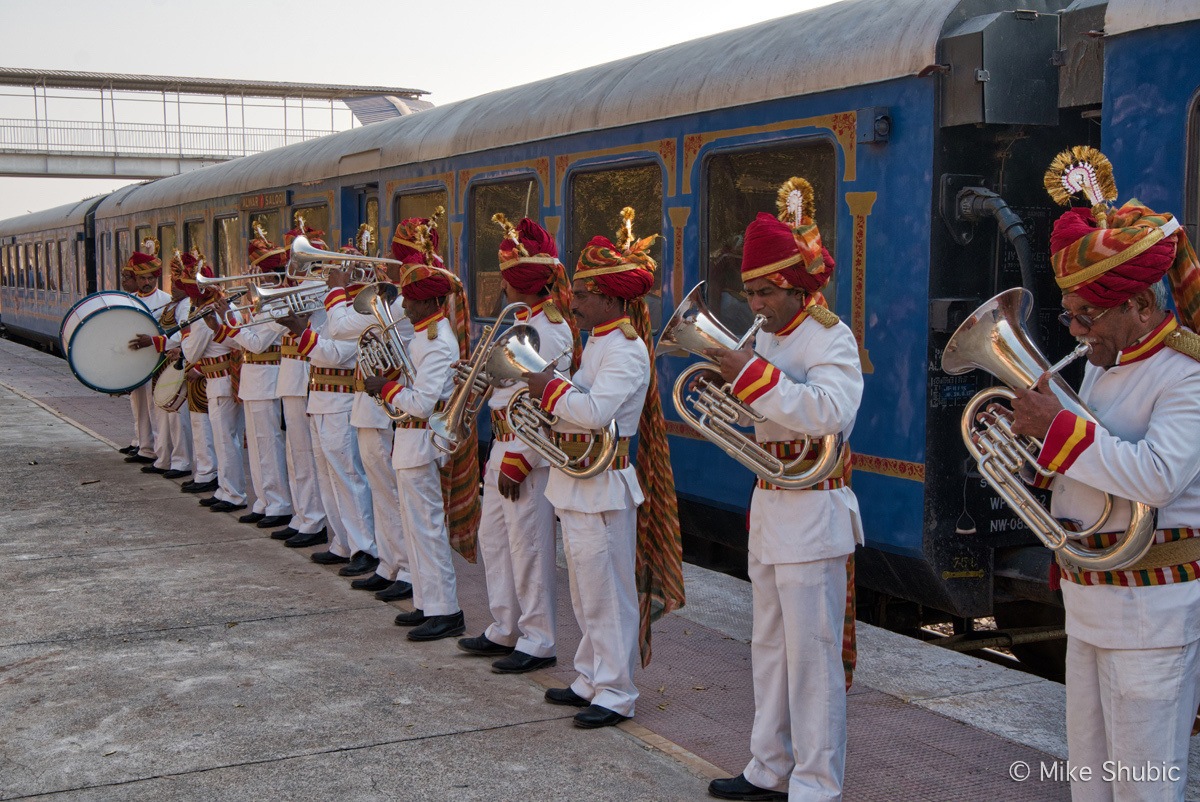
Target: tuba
<point x="380" y="348"/>
<point x="994" y="339"/>
<point x="714" y="411"/>
<point x="472" y="387"/>
<point x="514" y="355"/>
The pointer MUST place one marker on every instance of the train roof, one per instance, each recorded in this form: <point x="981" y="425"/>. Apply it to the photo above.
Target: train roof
<point x="845" y="44"/>
<point x="1125" y="16"/>
<point x="69" y="214"/>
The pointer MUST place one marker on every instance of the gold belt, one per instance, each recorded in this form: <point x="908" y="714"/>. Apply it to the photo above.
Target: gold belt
<point x="788" y="450"/>
<point x="575" y="445"/>
<point x="331" y="380"/>
<point x="215" y="367"/>
<point x="269" y="357"/>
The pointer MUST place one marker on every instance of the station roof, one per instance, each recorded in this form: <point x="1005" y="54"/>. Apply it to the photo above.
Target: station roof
<point x="62" y="79"/>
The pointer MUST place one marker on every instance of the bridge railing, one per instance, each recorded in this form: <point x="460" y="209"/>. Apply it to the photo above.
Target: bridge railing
<point x="143" y="139"/>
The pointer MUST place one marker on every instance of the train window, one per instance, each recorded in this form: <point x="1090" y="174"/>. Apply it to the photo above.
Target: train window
<point x="5" y="261"/>
<point x="270" y="222"/>
<point x="228" y="258"/>
<point x="53" y="269"/>
<point x="1191" y="202"/>
<point x="418" y="204"/>
<point x="124" y="250"/>
<point x="596" y="200"/>
<point x="515" y="199"/>
<point x="81" y="284"/>
<point x="373" y="217"/>
<point x="22" y="267"/>
<point x="39" y="266"/>
<point x="168" y="243"/>
<point x="317" y="217"/>
<point x="194" y="236"/>
<point x="108" y="276"/>
<point x="64" y="270"/>
<point x="740" y="185"/>
<point x="140" y="235"/>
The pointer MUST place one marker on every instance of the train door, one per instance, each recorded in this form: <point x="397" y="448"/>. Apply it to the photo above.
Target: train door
<point x="360" y="205"/>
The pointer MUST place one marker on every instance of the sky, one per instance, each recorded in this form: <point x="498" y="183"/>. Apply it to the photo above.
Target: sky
<point x="453" y="50"/>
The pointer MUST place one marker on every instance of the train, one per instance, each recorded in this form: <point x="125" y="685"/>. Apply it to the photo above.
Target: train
<point x="924" y="127"/>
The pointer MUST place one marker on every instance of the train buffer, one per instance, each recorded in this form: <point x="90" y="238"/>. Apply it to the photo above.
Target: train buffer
<point x="150" y="649"/>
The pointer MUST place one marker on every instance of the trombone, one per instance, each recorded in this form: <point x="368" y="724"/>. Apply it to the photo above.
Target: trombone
<point x="380" y="348"/>
<point x="473" y="386"/>
<point x="309" y="263"/>
<point x="267" y="279"/>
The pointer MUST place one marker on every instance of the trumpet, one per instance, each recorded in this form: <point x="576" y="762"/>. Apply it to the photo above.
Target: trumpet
<point x="715" y="412"/>
<point x="994" y="339"/>
<point x="309" y="263"/>
<point x="473" y="386"/>
<point x="514" y="355"/>
<point x="268" y="304"/>
<point x="380" y="349"/>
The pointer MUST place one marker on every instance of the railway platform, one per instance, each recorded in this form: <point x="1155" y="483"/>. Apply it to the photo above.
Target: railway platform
<point x="150" y="649"/>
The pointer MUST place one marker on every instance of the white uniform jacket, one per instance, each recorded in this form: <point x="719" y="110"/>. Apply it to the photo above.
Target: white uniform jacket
<point x="433" y="360"/>
<point x="347" y="324"/>
<point x="612" y="380"/>
<point x="324" y="351"/>
<point x="1146" y="448"/>
<point x="203" y="343"/>
<point x="258" y="380"/>
<point x="807" y="382"/>
<point x="155" y="301"/>
<point x="293" y="372"/>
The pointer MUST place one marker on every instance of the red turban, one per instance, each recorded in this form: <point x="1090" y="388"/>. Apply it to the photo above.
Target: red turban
<point x="143" y="264"/>
<point x="189" y="265"/>
<point x="528" y="256"/>
<point x="265" y="256"/>
<point x="315" y="236"/>
<point x="784" y="256"/>
<point x="1107" y="265"/>
<point x="409" y="239"/>
<point x="420" y="281"/>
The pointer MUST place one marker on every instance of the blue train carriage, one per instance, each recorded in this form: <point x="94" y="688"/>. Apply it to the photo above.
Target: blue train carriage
<point x="44" y="269"/>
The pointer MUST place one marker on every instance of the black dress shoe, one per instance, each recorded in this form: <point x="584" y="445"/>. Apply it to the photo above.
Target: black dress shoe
<point x="328" y="558"/>
<point x="395" y="591"/>
<point x="177" y="474"/>
<point x="210" y="501"/>
<point x="411" y="618"/>
<point x="139" y="458"/>
<point x="740" y="788"/>
<point x="127" y="450"/>
<point x="373" y="582"/>
<point x="521" y="663"/>
<point x="153" y="469"/>
<point x="596" y="716"/>
<point x="437" y="627"/>
<point x="361" y="563"/>
<point x="482" y="646"/>
<point x="198" y="487"/>
<point x="284" y="534"/>
<point x="565" y="696"/>
<point x="225" y="506"/>
<point x="303" y="541"/>
<point x="251" y="518"/>
<point x="272" y="521"/>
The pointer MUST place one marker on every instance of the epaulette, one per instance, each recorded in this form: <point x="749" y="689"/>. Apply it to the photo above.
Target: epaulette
<point x="1185" y="342"/>
<point x="628" y="330"/>
<point x="552" y="313"/>
<point x="823" y="316"/>
<point x="431" y="330"/>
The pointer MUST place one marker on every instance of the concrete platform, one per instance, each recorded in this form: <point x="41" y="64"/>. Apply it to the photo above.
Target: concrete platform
<point x="150" y="649"/>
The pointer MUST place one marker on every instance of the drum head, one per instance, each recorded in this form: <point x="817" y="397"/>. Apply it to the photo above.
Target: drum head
<point x="99" y="352"/>
<point x="170" y="391"/>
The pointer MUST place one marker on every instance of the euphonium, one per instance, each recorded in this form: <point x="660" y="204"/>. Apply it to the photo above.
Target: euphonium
<point x="380" y="348"/>
<point x="994" y="339"/>
<point x="715" y="412"/>
<point x="472" y="388"/>
<point x="514" y="355"/>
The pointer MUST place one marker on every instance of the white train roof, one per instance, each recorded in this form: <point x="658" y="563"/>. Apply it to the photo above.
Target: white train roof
<point x="845" y="44"/>
<point x="1124" y="16"/>
<point x="69" y="214"/>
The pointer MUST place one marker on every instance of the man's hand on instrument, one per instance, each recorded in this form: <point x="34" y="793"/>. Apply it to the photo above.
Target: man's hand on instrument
<point x="374" y="384"/>
<point x="293" y="323"/>
<point x="174" y="355"/>
<point x="703" y="377"/>
<point x="141" y="341"/>
<point x="337" y="277"/>
<point x="508" y="488"/>
<point x="730" y="362"/>
<point x="1035" y="409"/>
<point x="538" y="381"/>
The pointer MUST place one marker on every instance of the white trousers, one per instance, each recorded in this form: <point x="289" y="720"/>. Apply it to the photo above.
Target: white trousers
<point x="516" y="541"/>
<point x="268" y="457"/>
<point x="798" y="740"/>
<point x="142" y="402"/>
<point x="229" y="434"/>
<point x="204" y="453"/>
<point x="435" y="588"/>
<point x="344" y="491"/>
<point x="172" y="439"/>
<point x="308" y="513"/>
<point x="375" y="449"/>
<point x="600" y="550"/>
<point x="1129" y="718"/>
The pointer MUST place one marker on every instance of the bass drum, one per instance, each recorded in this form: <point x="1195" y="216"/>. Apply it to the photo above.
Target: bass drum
<point x="170" y="388"/>
<point x="95" y="337"/>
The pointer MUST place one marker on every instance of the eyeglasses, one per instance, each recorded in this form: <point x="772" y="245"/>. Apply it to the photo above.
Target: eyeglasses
<point x="1087" y="321"/>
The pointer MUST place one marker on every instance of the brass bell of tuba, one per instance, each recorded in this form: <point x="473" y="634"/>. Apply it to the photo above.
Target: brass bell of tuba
<point x="715" y="412"/>
<point x="380" y="348"/>
<point x="515" y="354"/>
<point x="994" y="339"/>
